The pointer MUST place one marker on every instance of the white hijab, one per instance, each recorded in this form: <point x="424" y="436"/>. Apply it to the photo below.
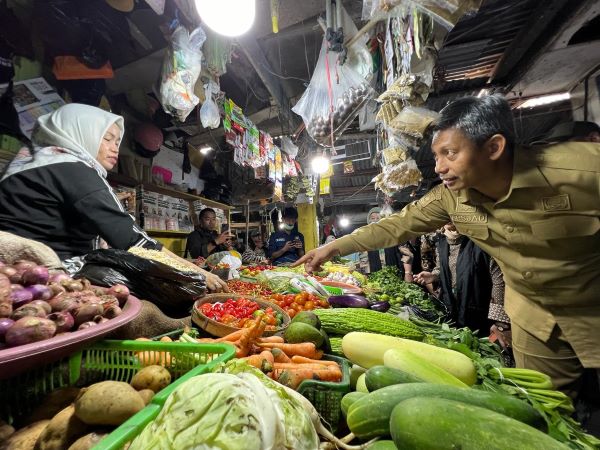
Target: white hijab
<point x="72" y="133"/>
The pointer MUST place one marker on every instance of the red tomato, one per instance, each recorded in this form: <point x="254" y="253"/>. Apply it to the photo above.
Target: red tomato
<point x="309" y="305"/>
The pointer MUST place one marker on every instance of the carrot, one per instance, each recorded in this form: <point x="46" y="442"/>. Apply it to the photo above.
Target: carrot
<point x="276" y="339"/>
<point x="306" y="349"/>
<point x="292" y="366"/>
<point x="206" y="340"/>
<point x="267" y="355"/>
<point x="261" y="361"/>
<point x="293" y="378"/>
<point x="280" y="356"/>
<point x="302" y="360"/>
<point x="231" y="337"/>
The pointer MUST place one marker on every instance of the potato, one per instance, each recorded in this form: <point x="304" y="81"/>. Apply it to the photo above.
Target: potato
<point x="108" y="403"/>
<point x="53" y="403"/>
<point x="6" y="430"/>
<point x="151" y="377"/>
<point x="88" y="441"/>
<point x="25" y="438"/>
<point x="146" y="395"/>
<point x="62" y="431"/>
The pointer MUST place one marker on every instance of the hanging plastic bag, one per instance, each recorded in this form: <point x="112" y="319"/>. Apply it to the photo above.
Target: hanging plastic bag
<point x="180" y="71"/>
<point x="171" y="290"/>
<point x="209" y="111"/>
<point x="289" y="147"/>
<point x="398" y="176"/>
<point x="334" y="97"/>
<point x="413" y="121"/>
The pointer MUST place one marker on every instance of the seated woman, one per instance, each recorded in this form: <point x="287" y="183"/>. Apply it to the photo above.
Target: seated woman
<point x="56" y="193"/>
<point x="255" y="253"/>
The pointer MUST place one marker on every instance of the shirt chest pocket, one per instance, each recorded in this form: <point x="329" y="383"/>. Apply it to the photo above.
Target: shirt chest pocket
<point x="565" y="227"/>
<point x="475" y="232"/>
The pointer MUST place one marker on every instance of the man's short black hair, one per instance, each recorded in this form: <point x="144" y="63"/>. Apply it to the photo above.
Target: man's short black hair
<point x="479" y="118"/>
<point x="206" y="211"/>
<point x="290" y="213"/>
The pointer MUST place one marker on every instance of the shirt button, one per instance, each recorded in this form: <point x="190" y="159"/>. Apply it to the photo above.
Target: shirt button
<point x="527" y="275"/>
<point x="510" y="229"/>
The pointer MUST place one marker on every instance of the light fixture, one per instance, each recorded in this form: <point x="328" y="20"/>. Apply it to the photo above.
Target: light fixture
<point x="320" y="164"/>
<point x="344" y="222"/>
<point x="206" y="150"/>
<point x="227" y="17"/>
<point x="544" y="100"/>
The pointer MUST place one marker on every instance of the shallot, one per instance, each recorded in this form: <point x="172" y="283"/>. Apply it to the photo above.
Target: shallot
<point x="28" y="330"/>
<point x="40" y="291"/>
<point x="35" y="275"/>
<point x="29" y="310"/>
<point x="5" y="324"/>
<point x="64" y="321"/>
<point x="20" y="297"/>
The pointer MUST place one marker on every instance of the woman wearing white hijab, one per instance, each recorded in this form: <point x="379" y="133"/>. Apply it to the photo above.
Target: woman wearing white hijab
<point x="57" y="193"/>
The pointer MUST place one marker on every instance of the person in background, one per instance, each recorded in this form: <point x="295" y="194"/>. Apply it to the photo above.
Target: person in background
<point x="56" y="192"/>
<point x="205" y="240"/>
<point x="535" y="210"/>
<point x="471" y="284"/>
<point x="286" y="245"/>
<point x="255" y="253"/>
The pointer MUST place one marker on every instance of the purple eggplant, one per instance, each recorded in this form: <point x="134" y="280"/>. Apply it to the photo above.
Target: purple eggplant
<point x="348" y="301"/>
<point x="380" y="306"/>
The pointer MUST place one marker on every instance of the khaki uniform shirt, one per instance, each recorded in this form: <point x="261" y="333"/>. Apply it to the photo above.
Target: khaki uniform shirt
<point x="543" y="234"/>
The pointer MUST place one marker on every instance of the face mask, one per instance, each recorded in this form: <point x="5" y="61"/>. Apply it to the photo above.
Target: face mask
<point x="288" y="227"/>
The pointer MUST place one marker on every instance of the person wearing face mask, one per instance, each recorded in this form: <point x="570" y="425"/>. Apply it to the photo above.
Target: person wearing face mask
<point x="56" y="192"/>
<point x="286" y="245"/>
<point x="471" y="284"/>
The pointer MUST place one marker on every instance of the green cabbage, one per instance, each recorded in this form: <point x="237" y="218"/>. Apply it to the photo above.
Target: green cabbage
<point x="240" y="409"/>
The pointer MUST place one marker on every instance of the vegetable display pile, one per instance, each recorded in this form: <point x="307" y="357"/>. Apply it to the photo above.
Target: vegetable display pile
<point x="294" y="303"/>
<point x="241" y="312"/>
<point x="248" y="288"/>
<point x="36" y="305"/>
<point x="253" y="271"/>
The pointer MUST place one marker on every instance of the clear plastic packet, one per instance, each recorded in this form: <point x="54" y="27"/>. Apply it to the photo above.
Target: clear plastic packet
<point x="398" y="176"/>
<point x="333" y="98"/>
<point x="413" y="120"/>
<point x="180" y="71"/>
<point x="209" y="111"/>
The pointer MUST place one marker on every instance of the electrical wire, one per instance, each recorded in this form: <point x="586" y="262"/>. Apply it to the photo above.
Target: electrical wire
<point x="353" y="195"/>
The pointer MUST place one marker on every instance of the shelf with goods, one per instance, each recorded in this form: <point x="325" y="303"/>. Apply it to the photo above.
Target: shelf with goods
<point x="167" y="214"/>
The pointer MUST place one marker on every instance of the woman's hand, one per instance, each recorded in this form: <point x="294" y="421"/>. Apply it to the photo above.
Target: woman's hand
<point x="424" y="278"/>
<point x="213" y="282"/>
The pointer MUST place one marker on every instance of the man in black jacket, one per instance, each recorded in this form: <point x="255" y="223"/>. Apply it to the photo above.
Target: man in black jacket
<point x="204" y="241"/>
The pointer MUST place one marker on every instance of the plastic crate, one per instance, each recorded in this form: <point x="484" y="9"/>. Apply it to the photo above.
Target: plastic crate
<point x="326" y="396"/>
<point x="116" y="361"/>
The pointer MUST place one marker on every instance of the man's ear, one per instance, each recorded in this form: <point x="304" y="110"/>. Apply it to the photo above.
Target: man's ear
<point x="496" y="147"/>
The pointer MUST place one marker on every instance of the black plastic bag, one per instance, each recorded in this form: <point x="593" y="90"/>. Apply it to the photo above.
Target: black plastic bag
<point x="172" y="291"/>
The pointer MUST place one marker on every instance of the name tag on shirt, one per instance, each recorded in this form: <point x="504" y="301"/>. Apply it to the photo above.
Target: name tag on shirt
<point x="469" y="218"/>
<point x="557" y="203"/>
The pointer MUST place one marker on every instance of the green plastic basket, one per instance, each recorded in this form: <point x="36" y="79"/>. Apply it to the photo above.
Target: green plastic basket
<point x="116" y="361"/>
<point x="333" y="290"/>
<point x="326" y="396"/>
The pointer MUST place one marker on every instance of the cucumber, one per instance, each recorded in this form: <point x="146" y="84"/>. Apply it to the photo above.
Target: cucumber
<point x="348" y="399"/>
<point x="382" y="445"/>
<point x="355" y="372"/>
<point x="361" y="385"/>
<point x="380" y="376"/>
<point x="422" y="423"/>
<point x="369" y="417"/>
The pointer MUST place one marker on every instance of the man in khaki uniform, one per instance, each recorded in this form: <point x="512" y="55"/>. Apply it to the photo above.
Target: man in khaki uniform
<point x="535" y="210"/>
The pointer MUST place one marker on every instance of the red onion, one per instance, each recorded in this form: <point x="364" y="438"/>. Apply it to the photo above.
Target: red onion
<point x="20" y="298"/>
<point x="5" y="286"/>
<point x="13" y="274"/>
<point x="58" y="277"/>
<point x="64" y="321"/>
<point x="42" y="304"/>
<point x="65" y="302"/>
<point x="40" y="291"/>
<point x="28" y="311"/>
<point x="108" y="300"/>
<point x="85" y="325"/>
<point x="120" y="291"/>
<point x="28" y="330"/>
<point x="87" y="312"/>
<point x="112" y="312"/>
<point x="6" y="307"/>
<point x="35" y="275"/>
<point x="72" y="285"/>
<point x="5" y="324"/>
<point x="16" y="287"/>
<point x="56" y="289"/>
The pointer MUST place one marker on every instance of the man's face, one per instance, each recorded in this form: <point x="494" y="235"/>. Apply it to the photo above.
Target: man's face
<point x="458" y="161"/>
<point x="208" y="221"/>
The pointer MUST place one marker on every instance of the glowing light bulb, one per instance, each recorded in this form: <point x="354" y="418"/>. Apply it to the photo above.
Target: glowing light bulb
<point x="227" y="17"/>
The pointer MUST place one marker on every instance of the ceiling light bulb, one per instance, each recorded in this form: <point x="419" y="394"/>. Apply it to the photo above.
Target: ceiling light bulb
<point x="344" y="222"/>
<point x="205" y="150"/>
<point x="227" y="17"/>
<point x="544" y="100"/>
<point x="320" y="164"/>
